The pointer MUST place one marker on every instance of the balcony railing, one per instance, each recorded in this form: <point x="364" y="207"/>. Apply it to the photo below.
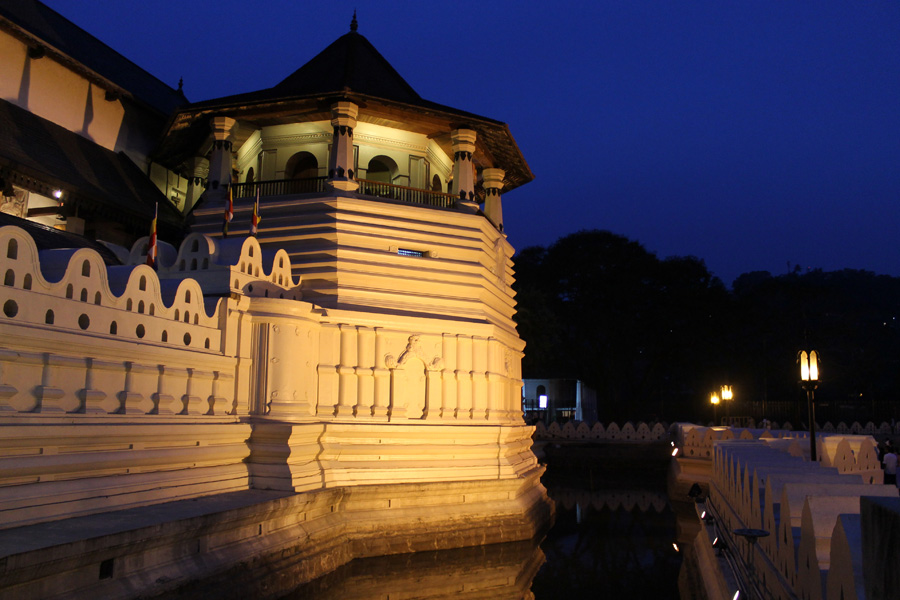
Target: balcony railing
<point x="406" y="194"/>
<point x="367" y="187"/>
<point x="280" y="187"/>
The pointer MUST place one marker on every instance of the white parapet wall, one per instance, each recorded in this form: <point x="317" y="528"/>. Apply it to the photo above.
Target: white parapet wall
<point x="124" y="387"/>
<point x="809" y="512"/>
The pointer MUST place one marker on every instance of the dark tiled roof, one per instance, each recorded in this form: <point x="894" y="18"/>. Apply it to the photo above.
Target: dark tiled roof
<point x="48" y="238"/>
<point x="88" y="172"/>
<point x="60" y="34"/>
<point x="350" y="63"/>
<point x="350" y="67"/>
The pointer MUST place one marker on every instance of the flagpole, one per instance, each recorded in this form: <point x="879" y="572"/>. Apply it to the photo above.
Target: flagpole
<point x="151" y="246"/>
<point x="254" y="220"/>
<point x="229" y="212"/>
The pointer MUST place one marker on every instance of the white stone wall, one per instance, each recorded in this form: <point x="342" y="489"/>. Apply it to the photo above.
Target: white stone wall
<point x="213" y="374"/>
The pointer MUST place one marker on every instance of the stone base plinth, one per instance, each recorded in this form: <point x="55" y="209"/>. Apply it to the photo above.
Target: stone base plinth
<point x="166" y="548"/>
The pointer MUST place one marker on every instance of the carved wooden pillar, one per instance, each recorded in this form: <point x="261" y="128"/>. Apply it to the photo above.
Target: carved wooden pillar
<point x="341" y="175"/>
<point x="463" y="141"/>
<point x="493" y="183"/>
<point x="220" y="159"/>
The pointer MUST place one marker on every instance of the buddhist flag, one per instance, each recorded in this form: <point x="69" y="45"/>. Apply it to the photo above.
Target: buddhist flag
<point x="151" y="247"/>
<point x="254" y="220"/>
<point x="229" y="213"/>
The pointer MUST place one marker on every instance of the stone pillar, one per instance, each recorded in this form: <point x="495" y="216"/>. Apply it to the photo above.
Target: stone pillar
<point x="493" y="183"/>
<point x="197" y="176"/>
<point x="220" y="159"/>
<point x="463" y="141"/>
<point x="340" y="163"/>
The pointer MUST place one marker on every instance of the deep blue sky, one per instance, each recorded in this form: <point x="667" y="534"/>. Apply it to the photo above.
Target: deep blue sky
<point x="750" y="134"/>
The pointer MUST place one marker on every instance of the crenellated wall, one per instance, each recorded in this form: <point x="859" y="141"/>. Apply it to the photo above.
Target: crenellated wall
<point x="808" y="513"/>
<point x="125" y="386"/>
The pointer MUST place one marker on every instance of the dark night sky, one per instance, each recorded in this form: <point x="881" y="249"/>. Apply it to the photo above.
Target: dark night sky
<point x="749" y="134"/>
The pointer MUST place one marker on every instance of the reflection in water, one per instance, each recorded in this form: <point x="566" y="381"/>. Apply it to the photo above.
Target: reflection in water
<point x="497" y="571"/>
<point x="605" y="544"/>
<point x="609" y="544"/>
<point x="615" y="542"/>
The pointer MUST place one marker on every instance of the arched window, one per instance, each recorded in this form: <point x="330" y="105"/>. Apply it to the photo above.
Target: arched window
<point x="382" y="169"/>
<point x="250" y="176"/>
<point x="301" y="166"/>
<point x="436" y="184"/>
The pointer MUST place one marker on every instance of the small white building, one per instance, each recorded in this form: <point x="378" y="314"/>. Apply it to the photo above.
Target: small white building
<point x="550" y="400"/>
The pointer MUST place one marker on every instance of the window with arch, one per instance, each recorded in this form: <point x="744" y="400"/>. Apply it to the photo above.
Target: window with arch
<point x="250" y="176"/>
<point x="302" y="166"/>
<point x="436" y="184"/>
<point x="382" y="169"/>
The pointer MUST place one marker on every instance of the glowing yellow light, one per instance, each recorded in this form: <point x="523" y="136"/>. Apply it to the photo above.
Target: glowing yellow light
<point x="809" y="366"/>
<point x="714" y="398"/>
<point x="57" y="194"/>
<point x="727" y="394"/>
<point x="675" y="452"/>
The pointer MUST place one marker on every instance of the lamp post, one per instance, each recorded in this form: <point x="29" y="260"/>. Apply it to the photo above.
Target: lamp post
<point x="714" y="400"/>
<point x="809" y="381"/>
<point x="727" y="397"/>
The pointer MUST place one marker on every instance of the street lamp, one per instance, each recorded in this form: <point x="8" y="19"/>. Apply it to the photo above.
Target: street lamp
<point x="809" y="381"/>
<point x="727" y="397"/>
<point x="714" y="400"/>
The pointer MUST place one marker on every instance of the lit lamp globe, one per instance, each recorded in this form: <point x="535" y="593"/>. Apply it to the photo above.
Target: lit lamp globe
<point x="809" y="381"/>
<point x="714" y="400"/>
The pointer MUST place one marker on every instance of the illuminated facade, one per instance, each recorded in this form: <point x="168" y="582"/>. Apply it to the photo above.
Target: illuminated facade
<point x="352" y="371"/>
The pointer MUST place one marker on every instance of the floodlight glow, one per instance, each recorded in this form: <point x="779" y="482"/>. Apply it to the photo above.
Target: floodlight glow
<point x="674" y="451"/>
<point x="57" y="194"/>
<point x="674" y="545"/>
<point x="542" y="401"/>
<point x="737" y="594"/>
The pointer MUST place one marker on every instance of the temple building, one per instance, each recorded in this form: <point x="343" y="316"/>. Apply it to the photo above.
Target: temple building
<point x="345" y="381"/>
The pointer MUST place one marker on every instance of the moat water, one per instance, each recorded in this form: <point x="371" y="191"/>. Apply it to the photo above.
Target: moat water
<point x="614" y="537"/>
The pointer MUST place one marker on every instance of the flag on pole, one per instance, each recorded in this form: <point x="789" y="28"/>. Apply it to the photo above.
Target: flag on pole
<point x="254" y="220"/>
<point x="151" y="247"/>
<point x="229" y="213"/>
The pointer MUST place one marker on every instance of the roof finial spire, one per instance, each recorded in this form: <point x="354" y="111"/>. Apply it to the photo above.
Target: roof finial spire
<point x="180" y="83"/>
<point x="353" y="24"/>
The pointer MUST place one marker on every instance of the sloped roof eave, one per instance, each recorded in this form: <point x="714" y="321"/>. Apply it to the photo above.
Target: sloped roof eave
<point x="256" y="103"/>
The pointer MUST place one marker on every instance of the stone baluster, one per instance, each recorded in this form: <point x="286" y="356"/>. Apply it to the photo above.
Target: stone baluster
<point x="218" y="404"/>
<point x="493" y="183"/>
<point x="47" y="394"/>
<point x="479" y="379"/>
<point x="365" y="371"/>
<point x="464" y="376"/>
<point x="382" y="377"/>
<point x="190" y="400"/>
<point x="329" y="361"/>
<point x="341" y="175"/>
<point x="347" y="384"/>
<point x="162" y="401"/>
<point x="463" y="144"/>
<point x="495" y="380"/>
<point x="91" y="398"/>
<point x="6" y="391"/>
<point x="448" y="377"/>
<point x="129" y="400"/>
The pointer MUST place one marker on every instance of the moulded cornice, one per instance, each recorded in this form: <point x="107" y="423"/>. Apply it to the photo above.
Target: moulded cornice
<point x="272" y="142"/>
<point x="389" y="142"/>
